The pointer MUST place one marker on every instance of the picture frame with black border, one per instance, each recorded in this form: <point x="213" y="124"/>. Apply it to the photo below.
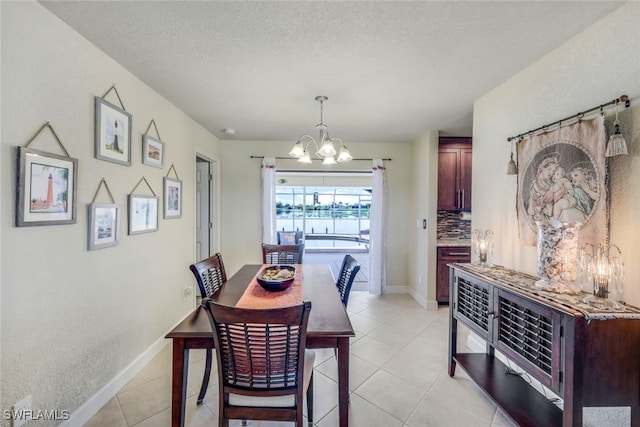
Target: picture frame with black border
<point x="104" y="225"/>
<point x="172" y="198"/>
<point x="46" y="188"/>
<point x="112" y="133"/>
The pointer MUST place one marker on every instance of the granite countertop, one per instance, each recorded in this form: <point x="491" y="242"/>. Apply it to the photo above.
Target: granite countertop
<point x="453" y="242"/>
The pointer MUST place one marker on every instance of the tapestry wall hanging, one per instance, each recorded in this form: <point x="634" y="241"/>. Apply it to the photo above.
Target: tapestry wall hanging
<point x="562" y="176"/>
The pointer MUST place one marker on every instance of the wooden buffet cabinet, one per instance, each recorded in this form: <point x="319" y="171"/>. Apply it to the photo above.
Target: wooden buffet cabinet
<point x="587" y="361"/>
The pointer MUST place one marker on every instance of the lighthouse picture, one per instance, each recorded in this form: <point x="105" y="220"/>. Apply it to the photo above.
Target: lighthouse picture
<point x="47" y="185"/>
<point x="112" y="133"/>
<point x="49" y="188"/>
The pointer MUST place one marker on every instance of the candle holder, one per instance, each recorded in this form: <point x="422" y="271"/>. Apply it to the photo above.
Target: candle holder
<point x="482" y="247"/>
<point x="602" y="269"/>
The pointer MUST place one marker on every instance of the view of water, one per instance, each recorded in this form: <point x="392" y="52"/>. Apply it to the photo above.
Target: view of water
<point x="353" y="226"/>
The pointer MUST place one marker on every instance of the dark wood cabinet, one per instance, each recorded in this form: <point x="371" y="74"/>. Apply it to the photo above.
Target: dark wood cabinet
<point x="454" y="174"/>
<point x="448" y="255"/>
<point x="587" y="362"/>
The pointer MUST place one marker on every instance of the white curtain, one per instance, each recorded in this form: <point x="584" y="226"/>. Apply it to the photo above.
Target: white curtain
<point x="269" y="200"/>
<point x="377" y="235"/>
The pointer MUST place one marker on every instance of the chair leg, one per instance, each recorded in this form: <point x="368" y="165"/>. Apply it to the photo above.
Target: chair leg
<point x="205" y="379"/>
<point x="310" y="401"/>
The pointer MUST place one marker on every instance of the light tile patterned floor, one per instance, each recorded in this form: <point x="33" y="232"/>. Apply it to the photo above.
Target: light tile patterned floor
<point x="334" y="260"/>
<point x="397" y="378"/>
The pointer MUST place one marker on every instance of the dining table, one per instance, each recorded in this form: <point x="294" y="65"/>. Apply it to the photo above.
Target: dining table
<point x="328" y="327"/>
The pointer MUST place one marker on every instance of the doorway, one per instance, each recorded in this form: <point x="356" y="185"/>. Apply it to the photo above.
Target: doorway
<point x="332" y="209"/>
<point x="205" y="197"/>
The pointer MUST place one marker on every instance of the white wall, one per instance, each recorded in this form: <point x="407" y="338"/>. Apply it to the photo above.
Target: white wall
<point x="594" y="67"/>
<point x="424" y="197"/>
<point x="73" y="320"/>
<point x="240" y="199"/>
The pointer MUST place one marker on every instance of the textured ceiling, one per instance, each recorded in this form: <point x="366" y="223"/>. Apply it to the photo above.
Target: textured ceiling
<point x="391" y="70"/>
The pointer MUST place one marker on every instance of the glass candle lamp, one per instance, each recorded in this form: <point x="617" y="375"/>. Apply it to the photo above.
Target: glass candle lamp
<point x="482" y="250"/>
<point x="603" y="269"/>
<point x="602" y="276"/>
<point x="482" y="246"/>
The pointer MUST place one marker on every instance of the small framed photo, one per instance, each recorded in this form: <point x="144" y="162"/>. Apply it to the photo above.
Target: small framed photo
<point x="46" y="188"/>
<point x="143" y="214"/>
<point x="152" y="151"/>
<point x="112" y="133"/>
<point x="104" y="225"/>
<point x="172" y="198"/>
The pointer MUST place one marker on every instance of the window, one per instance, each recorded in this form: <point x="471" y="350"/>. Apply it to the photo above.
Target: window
<point x="329" y="216"/>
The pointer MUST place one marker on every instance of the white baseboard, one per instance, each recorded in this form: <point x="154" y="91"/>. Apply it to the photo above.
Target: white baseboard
<point x="424" y="303"/>
<point x="89" y="408"/>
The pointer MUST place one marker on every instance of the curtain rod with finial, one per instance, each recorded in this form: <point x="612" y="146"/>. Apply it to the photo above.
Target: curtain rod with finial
<point x="622" y="98"/>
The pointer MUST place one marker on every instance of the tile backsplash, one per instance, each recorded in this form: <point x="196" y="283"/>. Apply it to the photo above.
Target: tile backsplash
<point x="450" y="226"/>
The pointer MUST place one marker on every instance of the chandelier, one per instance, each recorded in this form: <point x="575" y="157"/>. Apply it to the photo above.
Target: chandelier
<point x="324" y="146"/>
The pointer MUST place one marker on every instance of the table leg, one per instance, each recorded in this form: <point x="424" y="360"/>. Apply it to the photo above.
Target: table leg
<point x="343" y="381"/>
<point x="179" y="382"/>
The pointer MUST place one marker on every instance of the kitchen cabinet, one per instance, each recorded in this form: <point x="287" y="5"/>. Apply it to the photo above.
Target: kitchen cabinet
<point x="448" y="255"/>
<point x="454" y="174"/>
<point x="589" y="359"/>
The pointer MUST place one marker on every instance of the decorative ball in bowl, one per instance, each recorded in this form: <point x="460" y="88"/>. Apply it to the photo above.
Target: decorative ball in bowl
<point x="276" y="277"/>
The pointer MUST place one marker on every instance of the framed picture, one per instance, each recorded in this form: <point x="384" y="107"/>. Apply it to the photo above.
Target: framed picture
<point x="46" y="188"/>
<point x="172" y="198"/>
<point x="112" y="133"/>
<point x="104" y="225"/>
<point x="143" y="214"/>
<point x="152" y="151"/>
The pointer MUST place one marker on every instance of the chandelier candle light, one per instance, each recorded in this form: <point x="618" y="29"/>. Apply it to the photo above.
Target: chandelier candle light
<point x="324" y="147"/>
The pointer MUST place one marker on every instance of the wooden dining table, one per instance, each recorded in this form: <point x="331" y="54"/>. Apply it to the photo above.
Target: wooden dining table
<point x="329" y="327"/>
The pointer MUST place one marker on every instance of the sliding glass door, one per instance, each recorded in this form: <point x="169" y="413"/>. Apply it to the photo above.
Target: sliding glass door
<point x="329" y="216"/>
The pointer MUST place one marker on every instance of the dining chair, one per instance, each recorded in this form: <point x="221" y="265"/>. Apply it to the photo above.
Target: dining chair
<point x="211" y="276"/>
<point x="264" y="369"/>
<point x="348" y="272"/>
<point x="282" y="254"/>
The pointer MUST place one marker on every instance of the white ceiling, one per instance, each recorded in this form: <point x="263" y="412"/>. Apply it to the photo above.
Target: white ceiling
<point x="391" y="69"/>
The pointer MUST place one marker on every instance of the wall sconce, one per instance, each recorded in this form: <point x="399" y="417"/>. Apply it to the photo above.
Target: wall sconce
<point x="512" y="168"/>
<point x="482" y="247"/>
<point x="616" y="145"/>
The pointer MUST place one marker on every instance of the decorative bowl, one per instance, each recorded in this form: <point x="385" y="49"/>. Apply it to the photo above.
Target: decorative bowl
<point x="276" y="277"/>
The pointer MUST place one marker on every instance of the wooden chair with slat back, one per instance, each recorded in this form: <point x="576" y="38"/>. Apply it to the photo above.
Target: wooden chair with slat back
<point x="264" y="369"/>
<point x="211" y="276"/>
<point x="282" y="254"/>
<point x="348" y="272"/>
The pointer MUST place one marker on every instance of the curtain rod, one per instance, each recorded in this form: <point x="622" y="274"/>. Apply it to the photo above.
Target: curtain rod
<point x="622" y="98"/>
<point x="292" y="158"/>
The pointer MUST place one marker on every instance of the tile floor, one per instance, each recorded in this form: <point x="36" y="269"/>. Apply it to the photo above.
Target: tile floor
<point x="334" y="260"/>
<point x="397" y="378"/>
